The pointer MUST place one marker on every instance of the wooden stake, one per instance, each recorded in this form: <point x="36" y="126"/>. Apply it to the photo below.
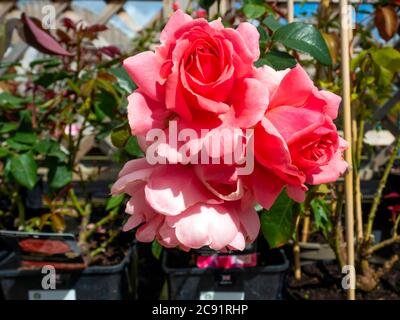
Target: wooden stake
<point x="345" y="64"/>
<point x="290" y="11"/>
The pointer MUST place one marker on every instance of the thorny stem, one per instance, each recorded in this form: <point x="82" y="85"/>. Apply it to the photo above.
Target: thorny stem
<point x="338" y="231"/>
<point x="383" y="244"/>
<point x="396" y="225"/>
<point x="111" y="216"/>
<point x="360" y="141"/>
<point x="105" y="244"/>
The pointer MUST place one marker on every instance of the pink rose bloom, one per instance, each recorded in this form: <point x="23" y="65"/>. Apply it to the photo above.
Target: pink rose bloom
<point x="175" y="6"/>
<point x="296" y="142"/>
<point x="172" y="204"/>
<point x="200" y="13"/>
<point x="202" y="75"/>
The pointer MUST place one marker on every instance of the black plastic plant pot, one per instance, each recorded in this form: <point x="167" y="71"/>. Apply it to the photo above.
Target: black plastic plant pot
<point x="116" y="282"/>
<point x="262" y="282"/>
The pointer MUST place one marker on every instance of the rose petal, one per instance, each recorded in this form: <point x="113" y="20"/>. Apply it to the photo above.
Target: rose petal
<point x="268" y="141"/>
<point x="266" y="187"/>
<point x="144" y="69"/>
<point x="294" y="89"/>
<point x="293" y="123"/>
<point x="251" y="37"/>
<point x="148" y="231"/>
<point x="250" y="100"/>
<point x="176" y="21"/>
<point x="203" y="225"/>
<point x="250" y="221"/>
<point x="328" y="173"/>
<point x="238" y="243"/>
<point x="145" y="114"/>
<point x="172" y="189"/>
<point x="133" y="221"/>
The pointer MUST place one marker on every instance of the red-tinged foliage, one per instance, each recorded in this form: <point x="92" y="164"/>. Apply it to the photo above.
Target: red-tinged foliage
<point x="96" y="28"/>
<point x="40" y="39"/>
<point x="111" y="51"/>
<point x="69" y="24"/>
<point x="386" y="21"/>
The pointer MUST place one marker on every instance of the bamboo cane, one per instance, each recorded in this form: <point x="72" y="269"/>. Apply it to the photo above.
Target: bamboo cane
<point x="290" y="11"/>
<point x="345" y="64"/>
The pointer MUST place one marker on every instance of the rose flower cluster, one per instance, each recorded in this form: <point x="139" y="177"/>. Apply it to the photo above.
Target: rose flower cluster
<point x="202" y="76"/>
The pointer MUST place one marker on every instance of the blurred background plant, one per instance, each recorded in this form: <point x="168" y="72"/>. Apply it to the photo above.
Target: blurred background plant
<point x="51" y="113"/>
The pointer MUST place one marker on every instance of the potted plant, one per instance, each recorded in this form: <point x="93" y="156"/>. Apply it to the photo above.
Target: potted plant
<point x="374" y="175"/>
<point x="51" y="114"/>
<point x="186" y="206"/>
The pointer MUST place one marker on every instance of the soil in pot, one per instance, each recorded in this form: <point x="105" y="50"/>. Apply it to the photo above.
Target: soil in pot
<point x="322" y="281"/>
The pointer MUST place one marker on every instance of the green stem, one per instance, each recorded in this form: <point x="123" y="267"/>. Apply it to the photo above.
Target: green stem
<point x="111" y="216"/>
<point x="396" y="225"/>
<point x="378" y="194"/>
<point x="21" y="210"/>
<point x="360" y="141"/>
<point x="338" y="243"/>
<point x="104" y="245"/>
<point x="75" y="202"/>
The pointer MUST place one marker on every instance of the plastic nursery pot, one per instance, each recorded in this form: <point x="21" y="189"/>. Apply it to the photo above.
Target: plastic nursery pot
<point x="262" y="282"/>
<point x="116" y="282"/>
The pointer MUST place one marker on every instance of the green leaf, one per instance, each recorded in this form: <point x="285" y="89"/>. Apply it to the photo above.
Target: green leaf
<point x="133" y="148"/>
<point x="114" y="202"/>
<point x="8" y="101"/>
<point x="253" y="2"/>
<point x="46" y="79"/>
<point x="120" y="135"/>
<point x="277" y="224"/>
<point x="50" y="148"/>
<point x="320" y="209"/>
<point x="253" y="11"/>
<point x="3" y="152"/>
<point x="278" y="60"/>
<point x="206" y="4"/>
<point x="9" y="64"/>
<point x="59" y="176"/>
<point x="304" y="37"/>
<point x="25" y="123"/>
<point x="47" y="63"/>
<point x="156" y="249"/>
<point x="264" y="37"/>
<point x="388" y="58"/>
<point x="8" y="127"/>
<point x="272" y="23"/>
<point x="124" y="81"/>
<point x="385" y="76"/>
<point x="18" y="146"/>
<point x="104" y="105"/>
<point x="23" y="168"/>
<point x="25" y="138"/>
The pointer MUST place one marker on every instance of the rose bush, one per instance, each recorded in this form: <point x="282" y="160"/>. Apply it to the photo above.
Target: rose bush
<point x="202" y="76"/>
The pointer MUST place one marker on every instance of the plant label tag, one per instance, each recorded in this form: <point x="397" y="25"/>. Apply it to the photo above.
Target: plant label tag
<point x="221" y="295"/>
<point x="52" y="294"/>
